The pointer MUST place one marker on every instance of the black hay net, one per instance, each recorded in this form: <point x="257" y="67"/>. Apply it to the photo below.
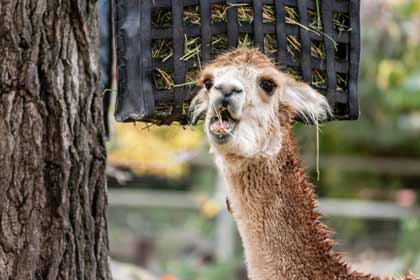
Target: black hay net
<point x="161" y="45"/>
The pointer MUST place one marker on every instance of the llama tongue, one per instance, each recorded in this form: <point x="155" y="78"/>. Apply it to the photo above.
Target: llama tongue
<point x="221" y="125"/>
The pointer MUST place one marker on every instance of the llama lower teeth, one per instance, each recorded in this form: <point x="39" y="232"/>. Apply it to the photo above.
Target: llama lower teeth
<point x="220" y="127"/>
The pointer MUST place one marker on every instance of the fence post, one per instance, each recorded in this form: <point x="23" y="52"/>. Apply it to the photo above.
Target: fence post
<point x="225" y="235"/>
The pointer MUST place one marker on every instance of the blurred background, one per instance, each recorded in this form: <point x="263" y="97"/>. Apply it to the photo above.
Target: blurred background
<point x="167" y="213"/>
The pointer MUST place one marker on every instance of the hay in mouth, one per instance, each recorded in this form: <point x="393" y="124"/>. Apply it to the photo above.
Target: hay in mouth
<point x="222" y="124"/>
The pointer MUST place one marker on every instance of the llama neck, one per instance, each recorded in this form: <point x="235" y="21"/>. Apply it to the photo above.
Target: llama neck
<point x="274" y="208"/>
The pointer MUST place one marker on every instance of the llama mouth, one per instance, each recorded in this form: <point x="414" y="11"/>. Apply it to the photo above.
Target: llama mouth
<point x="222" y="126"/>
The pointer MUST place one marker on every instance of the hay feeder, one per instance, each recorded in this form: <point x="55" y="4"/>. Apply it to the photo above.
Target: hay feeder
<point x="162" y="44"/>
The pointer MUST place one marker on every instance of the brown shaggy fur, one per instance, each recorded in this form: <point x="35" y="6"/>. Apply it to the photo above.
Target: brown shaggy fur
<point x="274" y="205"/>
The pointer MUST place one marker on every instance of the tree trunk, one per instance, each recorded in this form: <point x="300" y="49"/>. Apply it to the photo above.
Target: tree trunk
<point x="52" y="154"/>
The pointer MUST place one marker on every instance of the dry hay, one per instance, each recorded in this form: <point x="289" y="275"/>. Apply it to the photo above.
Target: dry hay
<point x="162" y="49"/>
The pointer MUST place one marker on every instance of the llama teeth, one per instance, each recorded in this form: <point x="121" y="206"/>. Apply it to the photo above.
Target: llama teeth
<point x="221" y="127"/>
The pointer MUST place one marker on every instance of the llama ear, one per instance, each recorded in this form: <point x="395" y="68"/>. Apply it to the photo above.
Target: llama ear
<point x="309" y="105"/>
<point x="198" y="106"/>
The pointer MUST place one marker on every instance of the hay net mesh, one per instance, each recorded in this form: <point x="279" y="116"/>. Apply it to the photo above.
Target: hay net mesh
<point x="314" y="41"/>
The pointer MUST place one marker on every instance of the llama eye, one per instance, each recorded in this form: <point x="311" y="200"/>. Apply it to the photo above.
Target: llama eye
<point x="208" y="84"/>
<point x="268" y="86"/>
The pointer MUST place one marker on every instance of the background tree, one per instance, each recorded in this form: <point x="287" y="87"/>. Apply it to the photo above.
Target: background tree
<point x="52" y="155"/>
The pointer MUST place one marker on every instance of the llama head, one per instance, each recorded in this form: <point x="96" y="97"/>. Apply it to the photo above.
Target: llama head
<point x="249" y="104"/>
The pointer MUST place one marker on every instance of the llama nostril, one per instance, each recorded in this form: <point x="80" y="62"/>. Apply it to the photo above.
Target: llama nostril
<point x="225" y="102"/>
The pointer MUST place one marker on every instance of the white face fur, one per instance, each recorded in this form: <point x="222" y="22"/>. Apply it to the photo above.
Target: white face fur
<point x="243" y="103"/>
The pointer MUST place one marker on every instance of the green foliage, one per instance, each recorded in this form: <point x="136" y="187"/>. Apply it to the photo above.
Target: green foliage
<point x="408" y="9"/>
<point x="217" y="271"/>
<point x="189" y="269"/>
<point x="409" y="244"/>
<point x="389" y="85"/>
<point x="349" y="229"/>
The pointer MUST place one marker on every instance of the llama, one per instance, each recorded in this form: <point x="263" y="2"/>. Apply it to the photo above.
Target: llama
<point x="249" y="108"/>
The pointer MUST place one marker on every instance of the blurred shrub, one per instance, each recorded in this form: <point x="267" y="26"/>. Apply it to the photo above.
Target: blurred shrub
<point x="155" y="150"/>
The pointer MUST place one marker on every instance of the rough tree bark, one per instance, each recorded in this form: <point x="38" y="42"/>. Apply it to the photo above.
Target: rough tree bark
<point x="52" y="155"/>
